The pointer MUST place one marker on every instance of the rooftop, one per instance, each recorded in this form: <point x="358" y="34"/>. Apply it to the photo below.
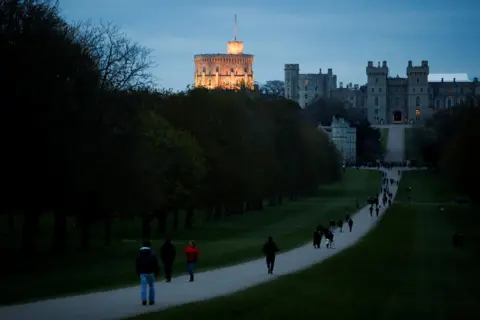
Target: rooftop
<point x="448" y="77"/>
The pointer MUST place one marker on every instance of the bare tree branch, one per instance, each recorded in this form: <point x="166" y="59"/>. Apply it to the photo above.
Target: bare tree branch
<point x="123" y="64"/>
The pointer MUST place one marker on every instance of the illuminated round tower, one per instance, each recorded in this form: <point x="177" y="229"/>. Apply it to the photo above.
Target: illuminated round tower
<point x="233" y="70"/>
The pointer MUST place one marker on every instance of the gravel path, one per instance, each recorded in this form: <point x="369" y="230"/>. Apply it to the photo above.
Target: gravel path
<point x="123" y="303"/>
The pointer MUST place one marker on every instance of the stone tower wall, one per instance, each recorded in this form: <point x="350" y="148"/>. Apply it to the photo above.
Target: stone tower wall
<point x="227" y="71"/>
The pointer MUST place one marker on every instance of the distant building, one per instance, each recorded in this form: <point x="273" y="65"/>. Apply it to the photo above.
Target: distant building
<point x="416" y="97"/>
<point x="309" y="87"/>
<point x="352" y="96"/>
<point x="233" y="70"/>
<point x="344" y="137"/>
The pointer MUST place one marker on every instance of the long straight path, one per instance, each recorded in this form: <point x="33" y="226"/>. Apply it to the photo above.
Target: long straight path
<point x="123" y="303"/>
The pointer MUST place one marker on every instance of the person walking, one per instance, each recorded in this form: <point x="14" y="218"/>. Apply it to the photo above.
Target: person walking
<point x="192" y="254"/>
<point x="350" y="224"/>
<point x="371" y="210"/>
<point x="147" y="269"/>
<point x="317" y="238"/>
<point x="377" y="210"/>
<point x="270" y="250"/>
<point x="167" y="254"/>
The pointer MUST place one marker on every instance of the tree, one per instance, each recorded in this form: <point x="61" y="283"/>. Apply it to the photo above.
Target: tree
<point x="274" y="88"/>
<point x="123" y="64"/>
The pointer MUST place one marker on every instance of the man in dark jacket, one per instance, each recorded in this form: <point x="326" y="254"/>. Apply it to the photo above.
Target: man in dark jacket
<point x="270" y="250"/>
<point x="147" y="268"/>
<point x="167" y="254"/>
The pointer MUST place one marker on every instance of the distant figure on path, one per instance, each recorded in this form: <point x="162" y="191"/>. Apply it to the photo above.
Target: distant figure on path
<point x="270" y="250"/>
<point x="350" y="224"/>
<point x="168" y="253"/>
<point x="340" y="225"/>
<point x="147" y="268"/>
<point x="317" y="238"/>
<point x="377" y="210"/>
<point x="329" y="239"/>
<point x="371" y="210"/>
<point x="192" y="254"/>
<point x="332" y="226"/>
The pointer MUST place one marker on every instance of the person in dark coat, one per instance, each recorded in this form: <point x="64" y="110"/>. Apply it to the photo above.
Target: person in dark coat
<point x="350" y="224"/>
<point x="147" y="269"/>
<point x="317" y="238"/>
<point x="340" y="225"/>
<point x="270" y="250"/>
<point x="371" y="210"/>
<point x="332" y="225"/>
<point x="167" y="254"/>
<point x="377" y="210"/>
<point x="329" y="239"/>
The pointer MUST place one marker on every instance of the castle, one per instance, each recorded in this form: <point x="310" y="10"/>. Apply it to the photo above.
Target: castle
<point x="385" y="99"/>
<point x="307" y="88"/>
<point x="233" y="70"/>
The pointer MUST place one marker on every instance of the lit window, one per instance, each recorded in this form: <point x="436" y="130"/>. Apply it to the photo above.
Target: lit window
<point x="417" y="112"/>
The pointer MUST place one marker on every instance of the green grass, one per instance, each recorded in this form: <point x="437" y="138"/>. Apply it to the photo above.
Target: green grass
<point x="384" y="139"/>
<point x="405" y="268"/>
<point x="411" y="147"/>
<point x="231" y="240"/>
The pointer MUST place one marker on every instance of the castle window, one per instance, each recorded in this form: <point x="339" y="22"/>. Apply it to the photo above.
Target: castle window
<point x="231" y="70"/>
<point x="376" y="101"/>
<point x="449" y="102"/>
<point x="217" y="69"/>
<point x="417" y="101"/>
<point x="246" y="70"/>
<point x="417" y="112"/>
<point x="418" y="80"/>
<point x="376" y="80"/>
<point x="204" y="69"/>
<point x="421" y="89"/>
<point x="379" y="89"/>
<point x="413" y="90"/>
<point x="209" y="82"/>
<point x="373" y="89"/>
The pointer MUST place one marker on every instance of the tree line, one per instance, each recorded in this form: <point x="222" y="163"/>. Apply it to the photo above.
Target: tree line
<point x="368" y="145"/>
<point x="448" y="141"/>
<point x="85" y="134"/>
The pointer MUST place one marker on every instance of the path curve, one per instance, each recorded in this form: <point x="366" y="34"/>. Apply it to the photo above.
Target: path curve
<point x="123" y="303"/>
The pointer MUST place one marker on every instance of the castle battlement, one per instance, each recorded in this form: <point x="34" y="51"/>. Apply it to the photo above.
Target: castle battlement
<point x="231" y="70"/>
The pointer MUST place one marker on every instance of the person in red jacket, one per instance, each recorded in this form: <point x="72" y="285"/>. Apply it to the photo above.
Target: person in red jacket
<point x="192" y="254"/>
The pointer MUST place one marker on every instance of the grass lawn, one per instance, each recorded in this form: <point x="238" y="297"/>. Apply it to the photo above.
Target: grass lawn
<point x="411" y="149"/>
<point x="384" y="139"/>
<point x="228" y="241"/>
<point x="405" y="268"/>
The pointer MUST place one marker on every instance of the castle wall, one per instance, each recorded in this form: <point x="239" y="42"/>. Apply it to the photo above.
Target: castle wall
<point x="307" y="88"/>
<point x="228" y="71"/>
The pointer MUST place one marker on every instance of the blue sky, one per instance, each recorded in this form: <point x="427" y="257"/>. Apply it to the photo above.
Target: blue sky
<point x="338" y="34"/>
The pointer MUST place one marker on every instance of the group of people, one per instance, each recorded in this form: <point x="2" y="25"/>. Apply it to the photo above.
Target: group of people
<point x="148" y="268"/>
<point x="147" y="265"/>
<point x="328" y="233"/>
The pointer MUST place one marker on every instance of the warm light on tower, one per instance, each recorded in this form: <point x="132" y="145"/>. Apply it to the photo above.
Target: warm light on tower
<point x="226" y="71"/>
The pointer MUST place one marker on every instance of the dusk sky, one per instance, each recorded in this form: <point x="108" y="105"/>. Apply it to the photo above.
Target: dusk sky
<point x="338" y="34"/>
